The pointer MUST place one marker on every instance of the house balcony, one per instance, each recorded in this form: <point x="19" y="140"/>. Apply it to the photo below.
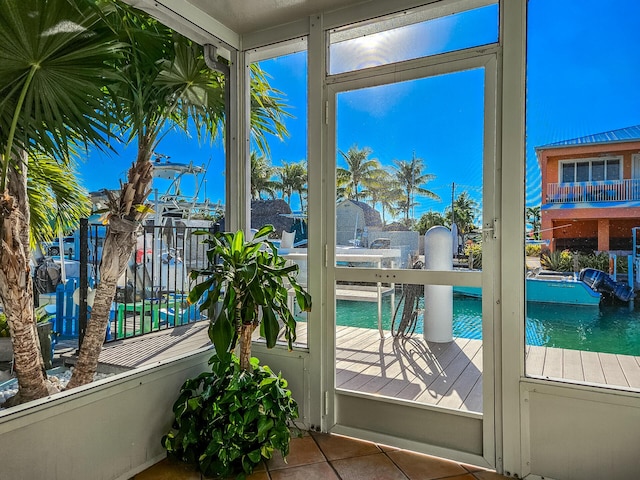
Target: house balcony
<point x="602" y="191"/>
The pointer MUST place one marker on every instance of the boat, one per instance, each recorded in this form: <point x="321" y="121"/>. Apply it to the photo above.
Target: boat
<point x="587" y="288"/>
<point x="172" y="202"/>
<point x="562" y="289"/>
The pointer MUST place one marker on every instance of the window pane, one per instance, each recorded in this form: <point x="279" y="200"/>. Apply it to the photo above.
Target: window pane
<point x="363" y="46"/>
<point x="613" y="169"/>
<point x="582" y="172"/>
<point x="597" y="171"/>
<point x="580" y="323"/>
<point x="568" y="172"/>
<point x="399" y="173"/>
<point x="279" y="173"/>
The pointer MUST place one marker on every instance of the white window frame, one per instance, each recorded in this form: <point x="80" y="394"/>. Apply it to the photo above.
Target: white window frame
<point x="575" y="161"/>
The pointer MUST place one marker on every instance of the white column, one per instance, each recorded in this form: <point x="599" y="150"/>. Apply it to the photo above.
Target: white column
<point x="438" y="299"/>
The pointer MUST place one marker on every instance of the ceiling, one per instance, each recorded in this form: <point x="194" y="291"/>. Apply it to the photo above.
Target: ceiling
<point x="245" y="16"/>
<point x="230" y="20"/>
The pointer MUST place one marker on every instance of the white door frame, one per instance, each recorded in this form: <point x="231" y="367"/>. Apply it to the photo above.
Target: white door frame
<point x="458" y="421"/>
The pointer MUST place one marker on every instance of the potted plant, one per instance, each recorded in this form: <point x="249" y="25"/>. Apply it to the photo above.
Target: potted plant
<point x="229" y="419"/>
<point x="44" y="329"/>
<point x="6" y="350"/>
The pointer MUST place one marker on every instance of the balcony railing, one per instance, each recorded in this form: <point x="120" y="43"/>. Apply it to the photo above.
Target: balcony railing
<point x="604" y="191"/>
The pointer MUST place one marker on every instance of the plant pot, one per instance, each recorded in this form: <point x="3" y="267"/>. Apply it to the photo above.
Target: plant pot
<point x="44" y="335"/>
<point x="6" y="350"/>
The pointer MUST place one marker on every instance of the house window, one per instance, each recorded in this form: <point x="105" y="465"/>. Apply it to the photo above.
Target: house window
<point x="590" y="170"/>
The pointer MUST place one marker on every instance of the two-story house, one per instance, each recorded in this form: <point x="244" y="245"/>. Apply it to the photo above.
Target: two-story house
<point x="591" y="191"/>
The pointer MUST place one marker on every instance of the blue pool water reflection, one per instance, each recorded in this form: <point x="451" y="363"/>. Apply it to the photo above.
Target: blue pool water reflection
<point x="608" y="329"/>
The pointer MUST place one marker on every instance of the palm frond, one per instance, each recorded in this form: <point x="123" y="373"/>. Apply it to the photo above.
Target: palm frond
<point x="66" y="45"/>
<point x="56" y="198"/>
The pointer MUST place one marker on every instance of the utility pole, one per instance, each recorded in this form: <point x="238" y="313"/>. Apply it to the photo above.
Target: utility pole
<point x="453" y="210"/>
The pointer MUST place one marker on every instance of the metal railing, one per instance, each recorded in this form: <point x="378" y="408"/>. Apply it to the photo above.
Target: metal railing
<point x="603" y="191"/>
<point x="152" y="294"/>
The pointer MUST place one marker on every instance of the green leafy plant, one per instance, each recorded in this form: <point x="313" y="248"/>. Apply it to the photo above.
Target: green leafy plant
<point x="231" y="418"/>
<point x="4" y="325"/>
<point x="228" y="420"/>
<point x="532" y="250"/>
<point x="247" y="284"/>
<point x="474" y="251"/>
<point x="557" y="261"/>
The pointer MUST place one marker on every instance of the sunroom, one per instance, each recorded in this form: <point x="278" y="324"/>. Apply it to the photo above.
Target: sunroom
<point x="460" y="87"/>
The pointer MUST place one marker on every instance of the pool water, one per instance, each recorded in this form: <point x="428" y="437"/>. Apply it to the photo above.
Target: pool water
<point x="607" y="329"/>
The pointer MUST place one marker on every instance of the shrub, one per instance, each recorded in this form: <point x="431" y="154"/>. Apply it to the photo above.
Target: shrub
<point x="4" y="325"/>
<point x="474" y="249"/>
<point x="557" y="261"/>
<point x="532" y="250"/>
<point x="228" y="420"/>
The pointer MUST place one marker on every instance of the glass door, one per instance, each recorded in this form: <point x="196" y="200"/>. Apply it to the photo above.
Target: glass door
<point x="413" y="264"/>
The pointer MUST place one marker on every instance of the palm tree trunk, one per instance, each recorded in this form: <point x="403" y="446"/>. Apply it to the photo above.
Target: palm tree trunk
<point x="16" y="288"/>
<point x="118" y="247"/>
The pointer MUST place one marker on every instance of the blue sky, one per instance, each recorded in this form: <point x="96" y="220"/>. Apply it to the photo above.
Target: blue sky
<point x="583" y="71"/>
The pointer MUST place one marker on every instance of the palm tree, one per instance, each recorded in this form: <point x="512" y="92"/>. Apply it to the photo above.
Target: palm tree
<point x="382" y="188"/>
<point x="342" y="184"/>
<point x="410" y="176"/>
<point x="360" y="169"/>
<point x="466" y="211"/>
<point x="52" y="70"/>
<point x="164" y="82"/>
<point x="293" y="178"/>
<point x="261" y="173"/>
<point x="533" y="217"/>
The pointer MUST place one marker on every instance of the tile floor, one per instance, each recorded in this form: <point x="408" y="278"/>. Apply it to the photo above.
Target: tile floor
<point x="319" y="456"/>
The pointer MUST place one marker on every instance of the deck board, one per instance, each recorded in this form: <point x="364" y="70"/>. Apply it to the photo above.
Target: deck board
<point x="613" y="374"/>
<point x="535" y="360"/>
<point x="444" y="374"/>
<point x="631" y="370"/>
<point x="572" y="365"/>
<point x="553" y="363"/>
<point x="592" y="368"/>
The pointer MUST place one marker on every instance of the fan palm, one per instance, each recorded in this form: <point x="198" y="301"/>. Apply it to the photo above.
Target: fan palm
<point x="52" y="70"/>
<point x="165" y="83"/>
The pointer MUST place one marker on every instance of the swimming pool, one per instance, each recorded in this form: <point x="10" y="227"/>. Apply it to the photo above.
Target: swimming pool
<point x="607" y="329"/>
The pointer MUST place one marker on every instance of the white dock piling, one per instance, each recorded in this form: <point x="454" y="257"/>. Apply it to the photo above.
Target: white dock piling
<point x="438" y="299"/>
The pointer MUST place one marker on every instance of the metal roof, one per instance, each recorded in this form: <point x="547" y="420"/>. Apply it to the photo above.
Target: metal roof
<point x="627" y="134"/>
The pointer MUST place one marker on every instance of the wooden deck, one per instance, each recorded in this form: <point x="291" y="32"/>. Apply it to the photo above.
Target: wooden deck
<point x="152" y="348"/>
<point x="448" y="375"/>
<point x="581" y="366"/>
